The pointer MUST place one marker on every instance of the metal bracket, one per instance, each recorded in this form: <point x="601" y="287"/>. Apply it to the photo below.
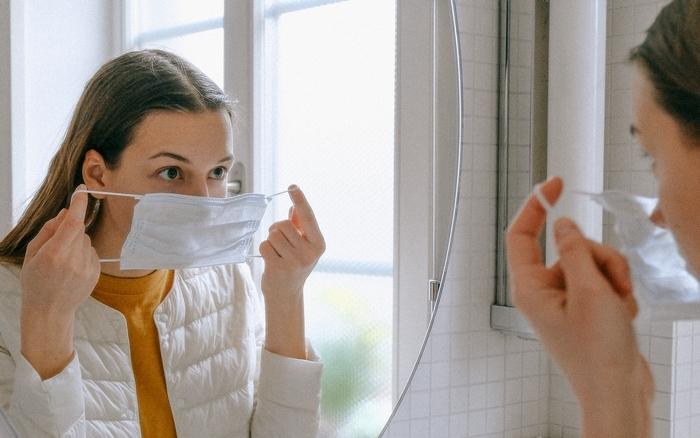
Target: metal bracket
<point x="236" y="176"/>
<point x="509" y="321"/>
<point x="433" y="291"/>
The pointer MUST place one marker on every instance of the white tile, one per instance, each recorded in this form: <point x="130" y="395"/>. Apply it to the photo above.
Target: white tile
<point x="420" y="404"/>
<point x="661" y="351"/>
<point x="495" y="368"/>
<point x="477" y="397"/>
<point x="514" y="391"/>
<point x="495" y="420"/>
<point x="420" y="428"/>
<point x="439" y="375"/>
<point x="684" y="350"/>
<point x="477" y="423"/>
<point x="495" y="394"/>
<point x="439" y="402"/>
<point x="514" y="365"/>
<point x="683" y="377"/>
<point x="439" y="426"/>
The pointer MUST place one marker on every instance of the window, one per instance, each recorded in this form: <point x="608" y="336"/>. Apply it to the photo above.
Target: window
<point x="326" y="107"/>
<point x="328" y="125"/>
<point x="194" y="30"/>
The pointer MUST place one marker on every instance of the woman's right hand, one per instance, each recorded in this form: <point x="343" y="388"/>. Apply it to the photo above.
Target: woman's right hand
<point x="60" y="270"/>
<point x="582" y="309"/>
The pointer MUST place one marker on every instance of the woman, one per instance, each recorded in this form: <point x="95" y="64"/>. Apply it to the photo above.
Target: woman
<point x="87" y="349"/>
<point x="582" y="307"/>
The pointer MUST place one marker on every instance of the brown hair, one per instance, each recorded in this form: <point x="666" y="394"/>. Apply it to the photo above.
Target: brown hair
<point x="670" y="54"/>
<point x="113" y="103"/>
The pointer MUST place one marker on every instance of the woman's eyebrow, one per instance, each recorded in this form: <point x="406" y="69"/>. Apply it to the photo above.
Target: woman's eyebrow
<point x="170" y="155"/>
<point x="179" y="157"/>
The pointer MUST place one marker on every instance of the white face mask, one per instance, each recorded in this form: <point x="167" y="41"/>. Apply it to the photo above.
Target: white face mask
<point x="662" y="282"/>
<point x="171" y="231"/>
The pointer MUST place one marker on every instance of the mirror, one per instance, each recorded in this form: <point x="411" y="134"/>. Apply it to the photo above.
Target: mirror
<point x="448" y="161"/>
<point x="369" y="330"/>
<point x="428" y="116"/>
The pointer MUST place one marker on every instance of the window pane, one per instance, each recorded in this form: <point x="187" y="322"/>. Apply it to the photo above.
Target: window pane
<point x="203" y="49"/>
<point x="153" y="15"/>
<point x="329" y="127"/>
<point x="193" y="30"/>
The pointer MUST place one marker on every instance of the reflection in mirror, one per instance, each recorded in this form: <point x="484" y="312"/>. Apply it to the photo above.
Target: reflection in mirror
<point x="371" y="171"/>
<point x="410" y="192"/>
<point x="522" y="133"/>
<point x="522" y="113"/>
<point x="327" y="124"/>
<point x="447" y="153"/>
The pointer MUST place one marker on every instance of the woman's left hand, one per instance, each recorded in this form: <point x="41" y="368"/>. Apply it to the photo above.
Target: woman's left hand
<point x="291" y="251"/>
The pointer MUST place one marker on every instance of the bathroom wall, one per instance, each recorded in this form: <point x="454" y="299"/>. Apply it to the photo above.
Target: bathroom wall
<point x="56" y="48"/>
<point x="476" y="382"/>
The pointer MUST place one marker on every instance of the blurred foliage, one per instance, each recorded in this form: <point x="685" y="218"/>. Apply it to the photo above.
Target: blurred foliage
<point x="356" y="400"/>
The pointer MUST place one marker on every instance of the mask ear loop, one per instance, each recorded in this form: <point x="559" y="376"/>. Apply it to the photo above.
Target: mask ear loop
<point x="269" y="198"/>
<point x="537" y="191"/>
<point x="98" y="192"/>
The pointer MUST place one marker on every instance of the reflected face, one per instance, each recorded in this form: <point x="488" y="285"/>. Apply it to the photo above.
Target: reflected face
<point x="173" y="152"/>
<point x="176" y="152"/>
<point x="676" y="167"/>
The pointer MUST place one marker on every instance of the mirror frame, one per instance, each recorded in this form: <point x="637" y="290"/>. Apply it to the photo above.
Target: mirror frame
<point x="450" y="9"/>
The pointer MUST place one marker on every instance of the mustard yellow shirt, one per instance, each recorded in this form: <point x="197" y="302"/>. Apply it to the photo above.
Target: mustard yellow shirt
<point x="136" y="299"/>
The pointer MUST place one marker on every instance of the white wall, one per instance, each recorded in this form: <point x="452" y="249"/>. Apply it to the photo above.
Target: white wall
<point x="5" y="119"/>
<point x="63" y="44"/>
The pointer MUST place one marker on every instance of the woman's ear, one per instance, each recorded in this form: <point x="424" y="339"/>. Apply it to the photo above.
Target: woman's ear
<point x="94" y="170"/>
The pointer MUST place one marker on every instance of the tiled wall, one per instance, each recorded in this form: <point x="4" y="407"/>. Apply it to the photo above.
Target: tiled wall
<point x="476" y="382"/>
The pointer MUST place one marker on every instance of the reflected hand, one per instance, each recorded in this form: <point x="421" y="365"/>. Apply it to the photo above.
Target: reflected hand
<point x="292" y="248"/>
<point x="60" y="270"/>
<point x="291" y="251"/>
<point x="582" y="309"/>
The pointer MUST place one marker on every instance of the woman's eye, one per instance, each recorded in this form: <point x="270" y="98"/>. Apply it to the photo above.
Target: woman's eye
<point x="218" y="173"/>
<point x="171" y="173"/>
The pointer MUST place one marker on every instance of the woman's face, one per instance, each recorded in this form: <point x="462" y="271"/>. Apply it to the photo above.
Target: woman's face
<point x="177" y="152"/>
<point x="173" y="152"/>
<point x="676" y="166"/>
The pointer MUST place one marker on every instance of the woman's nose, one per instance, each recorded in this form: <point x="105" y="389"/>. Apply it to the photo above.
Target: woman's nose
<point x="197" y="189"/>
<point x="658" y="218"/>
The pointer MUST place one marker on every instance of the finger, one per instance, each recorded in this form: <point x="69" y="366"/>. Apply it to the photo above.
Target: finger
<point x="289" y="232"/>
<point x="73" y="224"/>
<point x="583" y="276"/>
<point x="614" y="267"/>
<point x="45" y="233"/>
<point x="78" y="204"/>
<point x="306" y="219"/>
<point x="522" y="245"/>
<point x="267" y="251"/>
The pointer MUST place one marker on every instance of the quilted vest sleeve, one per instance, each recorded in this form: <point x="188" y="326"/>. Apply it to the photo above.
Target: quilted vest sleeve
<point x="289" y="396"/>
<point x="50" y="408"/>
